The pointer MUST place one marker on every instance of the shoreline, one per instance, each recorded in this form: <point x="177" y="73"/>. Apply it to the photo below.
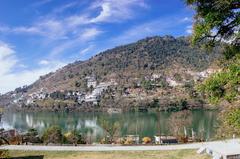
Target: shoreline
<point x="107" y="110"/>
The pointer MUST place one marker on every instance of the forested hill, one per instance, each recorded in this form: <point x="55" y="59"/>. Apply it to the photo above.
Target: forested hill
<point x="146" y="56"/>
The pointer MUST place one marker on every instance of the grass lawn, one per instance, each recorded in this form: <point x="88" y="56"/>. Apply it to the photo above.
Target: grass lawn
<point x="177" y="154"/>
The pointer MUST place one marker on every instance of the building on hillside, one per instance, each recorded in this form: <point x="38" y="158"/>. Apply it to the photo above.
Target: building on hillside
<point x="92" y="98"/>
<point x="199" y="76"/>
<point x="172" y="83"/>
<point x="91" y="81"/>
<point x="81" y="98"/>
<point x="18" y="99"/>
<point x="155" y="76"/>
<point x="95" y="95"/>
<point x="30" y="101"/>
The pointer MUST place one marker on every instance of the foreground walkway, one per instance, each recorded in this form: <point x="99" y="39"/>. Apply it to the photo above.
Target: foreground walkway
<point x="109" y="147"/>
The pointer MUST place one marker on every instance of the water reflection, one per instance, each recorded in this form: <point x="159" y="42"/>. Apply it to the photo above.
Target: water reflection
<point x="144" y="124"/>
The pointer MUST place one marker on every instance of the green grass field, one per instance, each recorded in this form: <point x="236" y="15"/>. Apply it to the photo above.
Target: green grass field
<point x="178" y="154"/>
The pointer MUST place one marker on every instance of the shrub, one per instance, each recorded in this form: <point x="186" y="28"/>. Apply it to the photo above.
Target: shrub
<point x="106" y="140"/>
<point x="4" y="154"/>
<point x="31" y="136"/>
<point x="146" y="140"/>
<point x="129" y="141"/>
<point x="147" y="84"/>
<point x="52" y="134"/>
<point x="74" y="137"/>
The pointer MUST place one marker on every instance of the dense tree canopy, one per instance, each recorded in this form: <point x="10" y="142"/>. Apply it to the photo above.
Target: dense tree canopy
<point x="223" y="85"/>
<point x="230" y="123"/>
<point x="216" y="20"/>
<point x="219" y="21"/>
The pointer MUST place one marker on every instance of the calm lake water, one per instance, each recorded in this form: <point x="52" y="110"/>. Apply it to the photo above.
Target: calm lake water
<point x="144" y="124"/>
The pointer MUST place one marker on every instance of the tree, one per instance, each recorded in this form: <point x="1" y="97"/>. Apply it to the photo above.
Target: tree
<point x="52" y="134"/>
<point x="230" y="123"/>
<point x="111" y="128"/>
<point x="178" y="121"/>
<point x="216" y="20"/>
<point x="219" y="21"/>
<point x="223" y="85"/>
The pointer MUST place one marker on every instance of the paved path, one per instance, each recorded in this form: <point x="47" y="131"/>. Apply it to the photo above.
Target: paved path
<point x="108" y="147"/>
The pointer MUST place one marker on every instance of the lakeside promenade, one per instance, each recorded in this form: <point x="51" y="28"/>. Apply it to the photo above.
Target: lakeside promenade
<point x="99" y="148"/>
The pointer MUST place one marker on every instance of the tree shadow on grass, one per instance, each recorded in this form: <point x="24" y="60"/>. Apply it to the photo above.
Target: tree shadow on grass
<point x="27" y="157"/>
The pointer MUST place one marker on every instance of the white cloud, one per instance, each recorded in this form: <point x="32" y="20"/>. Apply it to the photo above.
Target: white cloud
<point x="65" y="7"/>
<point x="52" y="29"/>
<point x="8" y="63"/>
<point x="112" y="11"/>
<point x="22" y="66"/>
<point x="84" y="51"/>
<point x="104" y="14"/>
<point x="4" y="29"/>
<point x="189" y="29"/>
<point x="43" y="62"/>
<point x="90" y="33"/>
<point x="9" y="82"/>
<point x="62" y="47"/>
<point x="30" y="30"/>
<point x="76" y="20"/>
<point x="151" y="28"/>
<point x="84" y="36"/>
<point x="186" y="19"/>
<point x="7" y="58"/>
<point x="41" y="2"/>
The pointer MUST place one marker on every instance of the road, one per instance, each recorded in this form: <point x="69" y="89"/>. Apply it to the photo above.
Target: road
<point x="109" y="147"/>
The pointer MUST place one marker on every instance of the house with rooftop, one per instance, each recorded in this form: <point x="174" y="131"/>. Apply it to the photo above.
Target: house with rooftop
<point x="92" y="98"/>
<point x="91" y="81"/>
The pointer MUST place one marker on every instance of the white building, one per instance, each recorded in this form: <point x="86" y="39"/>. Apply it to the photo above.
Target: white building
<point x="202" y="75"/>
<point x="92" y="98"/>
<point x="81" y="98"/>
<point x="156" y="76"/>
<point x="18" y="99"/>
<point x="30" y="101"/>
<point x="173" y="83"/>
<point x="91" y="81"/>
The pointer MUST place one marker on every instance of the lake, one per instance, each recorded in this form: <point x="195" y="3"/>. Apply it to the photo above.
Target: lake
<point x="203" y="122"/>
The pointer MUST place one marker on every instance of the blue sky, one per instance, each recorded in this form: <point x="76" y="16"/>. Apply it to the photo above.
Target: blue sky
<point x="37" y="37"/>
